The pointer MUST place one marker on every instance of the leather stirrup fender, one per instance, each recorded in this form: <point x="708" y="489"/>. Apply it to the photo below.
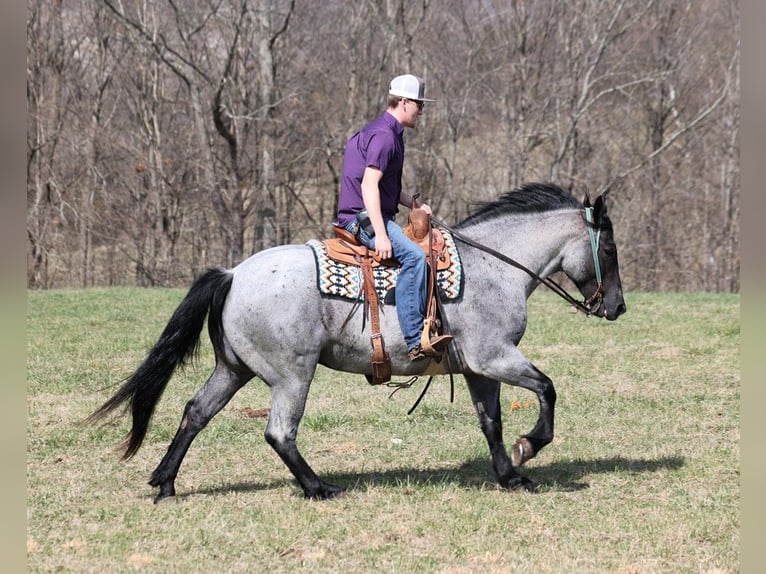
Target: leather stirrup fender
<point x="381" y="362"/>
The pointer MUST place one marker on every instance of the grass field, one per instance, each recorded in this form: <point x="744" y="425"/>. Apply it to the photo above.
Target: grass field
<point x="642" y="477"/>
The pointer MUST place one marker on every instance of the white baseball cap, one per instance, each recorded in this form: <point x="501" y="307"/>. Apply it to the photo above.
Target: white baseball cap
<point x="410" y="87"/>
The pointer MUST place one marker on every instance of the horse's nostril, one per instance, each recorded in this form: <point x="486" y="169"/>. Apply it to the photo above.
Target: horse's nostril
<point x="621" y="308"/>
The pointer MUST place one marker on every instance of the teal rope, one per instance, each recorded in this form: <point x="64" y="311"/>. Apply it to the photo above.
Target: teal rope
<point x="595" y="239"/>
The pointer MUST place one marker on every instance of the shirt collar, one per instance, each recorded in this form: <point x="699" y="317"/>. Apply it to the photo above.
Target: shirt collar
<point x="393" y="123"/>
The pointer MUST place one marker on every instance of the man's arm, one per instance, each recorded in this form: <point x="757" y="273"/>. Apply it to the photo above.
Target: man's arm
<point x="371" y="197"/>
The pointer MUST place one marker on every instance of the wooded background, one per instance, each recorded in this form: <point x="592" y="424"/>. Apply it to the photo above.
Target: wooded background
<point x="166" y="136"/>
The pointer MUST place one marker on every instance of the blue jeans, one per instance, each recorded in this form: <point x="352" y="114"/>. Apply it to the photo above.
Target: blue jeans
<point x="411" y="281"/>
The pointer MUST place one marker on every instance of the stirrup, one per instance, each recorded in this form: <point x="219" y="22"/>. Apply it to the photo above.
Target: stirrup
<point x="433" y="345"/>
<point x="434" y="348"/>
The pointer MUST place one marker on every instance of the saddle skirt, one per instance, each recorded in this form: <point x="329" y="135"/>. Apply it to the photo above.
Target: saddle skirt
<point x="339" y="273"/>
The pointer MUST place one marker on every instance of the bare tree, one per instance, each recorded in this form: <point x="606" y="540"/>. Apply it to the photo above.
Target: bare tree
<point x="273" y="21"/>
<point x="164" y="138"/>
<point x="48" y="105"/>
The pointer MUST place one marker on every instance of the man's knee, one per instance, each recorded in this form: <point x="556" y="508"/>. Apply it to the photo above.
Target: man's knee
<point x="413" y="256"/>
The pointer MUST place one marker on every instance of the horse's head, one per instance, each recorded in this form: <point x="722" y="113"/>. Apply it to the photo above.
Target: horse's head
<point x="594" y="267"/>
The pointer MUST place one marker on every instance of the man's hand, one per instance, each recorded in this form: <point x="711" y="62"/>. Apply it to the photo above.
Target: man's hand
<point x="383" y="247"/>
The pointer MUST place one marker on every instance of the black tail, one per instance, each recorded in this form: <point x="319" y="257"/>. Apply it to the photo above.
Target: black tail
<point x="177" y="344"/>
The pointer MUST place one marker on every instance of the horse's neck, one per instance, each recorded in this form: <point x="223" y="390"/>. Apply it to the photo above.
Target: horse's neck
<point x="536" y="240"/>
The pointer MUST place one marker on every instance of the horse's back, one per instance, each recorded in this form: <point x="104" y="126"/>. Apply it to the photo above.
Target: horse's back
<point x="277" y="267"/>
<point x="278" y="280"/>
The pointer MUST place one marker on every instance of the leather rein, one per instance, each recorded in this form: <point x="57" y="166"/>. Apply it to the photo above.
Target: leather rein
<point x="585" y="306"/>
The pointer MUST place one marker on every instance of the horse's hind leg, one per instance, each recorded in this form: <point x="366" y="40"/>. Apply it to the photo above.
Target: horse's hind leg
<point x="206" y="403"/>
<point x="485" y="394"/>
<point x="288" y="401"/>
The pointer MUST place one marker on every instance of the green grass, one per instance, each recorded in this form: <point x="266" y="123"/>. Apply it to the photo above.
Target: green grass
<point x="642" y="477"/>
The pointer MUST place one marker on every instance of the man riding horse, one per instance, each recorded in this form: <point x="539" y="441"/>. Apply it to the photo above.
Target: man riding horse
<point x="370" y="195"/>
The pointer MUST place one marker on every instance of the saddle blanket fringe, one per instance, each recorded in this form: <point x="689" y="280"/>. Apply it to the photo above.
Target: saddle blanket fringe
<point x="345" y="281"/>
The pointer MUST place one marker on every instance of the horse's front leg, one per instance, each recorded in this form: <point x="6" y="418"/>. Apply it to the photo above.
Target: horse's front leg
<point x="527" y="446"/>
<point x="485" y="394"/>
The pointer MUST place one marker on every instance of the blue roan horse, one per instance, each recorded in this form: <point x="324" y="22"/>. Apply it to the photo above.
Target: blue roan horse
<point x="267" y="319"/>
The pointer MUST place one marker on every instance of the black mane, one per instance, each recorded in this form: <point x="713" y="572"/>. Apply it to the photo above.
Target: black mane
<point x="529" y="198"/>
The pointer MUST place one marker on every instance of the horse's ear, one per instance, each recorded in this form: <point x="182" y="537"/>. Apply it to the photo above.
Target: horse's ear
<point x="600" y="206"/>
<point x="586" y="201"/>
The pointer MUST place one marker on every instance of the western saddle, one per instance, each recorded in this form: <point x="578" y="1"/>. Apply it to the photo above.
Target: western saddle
<point x="346" y="248"/>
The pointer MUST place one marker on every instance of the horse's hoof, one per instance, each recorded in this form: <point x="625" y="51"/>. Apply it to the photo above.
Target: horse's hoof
<point x="166" y="491"/>
<point x="162" y="499"/>
<point x="326" y="492"/>
<point x="521" y="452"/>
<point x="521" y="483"/>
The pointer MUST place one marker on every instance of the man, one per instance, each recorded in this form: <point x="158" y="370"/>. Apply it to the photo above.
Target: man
<point x="370" y="195"/>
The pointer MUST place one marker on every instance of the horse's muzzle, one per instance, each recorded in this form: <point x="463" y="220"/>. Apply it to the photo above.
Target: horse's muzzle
<point x="619" y="309"/>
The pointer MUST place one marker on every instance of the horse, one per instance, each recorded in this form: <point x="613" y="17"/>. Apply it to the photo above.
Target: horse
<point x="539" y="228"/>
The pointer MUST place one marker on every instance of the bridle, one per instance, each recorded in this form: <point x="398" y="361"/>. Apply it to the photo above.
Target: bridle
<point x="594" y="233"/>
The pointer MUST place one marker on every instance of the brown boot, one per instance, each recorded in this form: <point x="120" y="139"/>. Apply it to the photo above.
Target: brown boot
<point x="416" y="353"/>
<point x="437" y="344"/>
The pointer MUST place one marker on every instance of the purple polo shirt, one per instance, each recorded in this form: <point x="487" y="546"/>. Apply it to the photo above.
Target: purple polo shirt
<point x="379" y="144"/>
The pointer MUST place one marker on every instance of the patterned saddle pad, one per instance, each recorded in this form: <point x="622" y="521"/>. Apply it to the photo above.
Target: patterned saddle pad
<point x="342" y="280"/>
